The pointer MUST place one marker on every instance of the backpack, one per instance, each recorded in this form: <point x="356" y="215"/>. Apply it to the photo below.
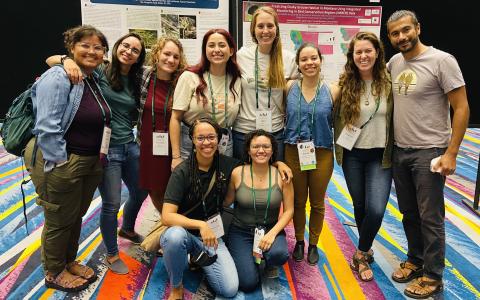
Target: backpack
<point x="18" y="124"/>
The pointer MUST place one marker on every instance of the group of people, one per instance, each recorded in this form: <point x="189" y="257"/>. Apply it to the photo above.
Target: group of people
<point x="255" y="129"/>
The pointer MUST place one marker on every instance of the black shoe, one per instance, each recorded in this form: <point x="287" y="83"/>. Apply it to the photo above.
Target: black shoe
<point x="298" y="251"/>
<point x="312" y="255"/>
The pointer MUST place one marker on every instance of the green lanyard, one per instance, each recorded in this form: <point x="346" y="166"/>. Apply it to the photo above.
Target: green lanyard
<point x="106" y="120"/>
<point x="268" y="194"/>
<point x="312" y="121"/>
<point x="165" y="105"/>
<point x="256" y="81"/>
<point x="371" y="117"/>
<point x="214" y="118"/>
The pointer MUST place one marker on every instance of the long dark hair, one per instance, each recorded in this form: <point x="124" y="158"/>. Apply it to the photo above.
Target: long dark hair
<point x="204" y="65"/>
<point x="134" y="75"/>
<point x="195" y="183"/>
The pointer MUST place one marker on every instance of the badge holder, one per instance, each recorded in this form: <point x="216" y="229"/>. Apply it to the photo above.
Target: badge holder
<point x="160" y="143"/>
<point x="348" y="137"/>
<point x="216" y="225"/>
<point x="263" y="120"/>
<point x="306" y="156"/>
<point x="257" y="252"/>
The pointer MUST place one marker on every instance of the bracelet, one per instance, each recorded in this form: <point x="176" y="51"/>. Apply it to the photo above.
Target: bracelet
<point x="64" y="58"/>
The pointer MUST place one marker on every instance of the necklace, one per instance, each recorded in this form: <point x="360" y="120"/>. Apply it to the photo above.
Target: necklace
<point x="369" y="93"/>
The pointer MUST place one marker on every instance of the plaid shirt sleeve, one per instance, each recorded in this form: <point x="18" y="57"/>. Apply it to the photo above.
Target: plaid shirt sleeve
<point x="145" y="80"/>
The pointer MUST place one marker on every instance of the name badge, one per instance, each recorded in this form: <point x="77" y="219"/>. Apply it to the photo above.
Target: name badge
<point x="107" y="133"/>
<point x="306" y="156"/>
<point x="160" y="143"/>
<point x="216" y="225"/>
<point x="264" y="120"/>
<point x="348" y="137"/>
<point x="222" y="145"/>
<point x="257" y="252"/>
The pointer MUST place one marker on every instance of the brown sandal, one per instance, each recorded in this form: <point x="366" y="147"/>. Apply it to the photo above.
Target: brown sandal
<point x="62" y="283"/>
<point x="409" y="271"/>
<point x="81" y="270"/>
<point x="421" y="288"/>
<point x="360" y="265"/>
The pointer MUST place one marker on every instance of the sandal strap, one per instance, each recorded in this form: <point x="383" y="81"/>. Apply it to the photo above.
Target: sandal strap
<point x="424" y="283"/>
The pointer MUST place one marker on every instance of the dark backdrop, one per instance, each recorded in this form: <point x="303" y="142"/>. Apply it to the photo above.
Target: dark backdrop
<point x="34" y="31"/>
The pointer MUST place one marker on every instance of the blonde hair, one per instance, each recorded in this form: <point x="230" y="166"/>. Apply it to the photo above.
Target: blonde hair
<point x="157" y="48"/>
<point x="276" y="76"/>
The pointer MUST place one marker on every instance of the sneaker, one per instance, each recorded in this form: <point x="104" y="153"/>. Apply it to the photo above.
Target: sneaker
<point x="271" y="272"/>
<point x="135" y="238"/>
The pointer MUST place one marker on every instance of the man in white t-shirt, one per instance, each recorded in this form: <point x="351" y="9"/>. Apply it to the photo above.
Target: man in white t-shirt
<point x="426" y="83"/>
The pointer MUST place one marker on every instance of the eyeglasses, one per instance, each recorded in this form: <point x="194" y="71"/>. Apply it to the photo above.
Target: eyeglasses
<point x="202" y="138"/>
<point x="258" y="146"/>
<point x="99" y="49"/>
<point x="128" y="47"/>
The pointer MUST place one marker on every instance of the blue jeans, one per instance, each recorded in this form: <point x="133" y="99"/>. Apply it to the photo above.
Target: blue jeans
<point x="240" y="243"/>
<point x="239" y="145"/>
<point x="123" y="164"/>
<point x="186" y="143"/>
<point x="420" y="200"/>
<point x="369" y="185"/>
<point x="177" y="242"/>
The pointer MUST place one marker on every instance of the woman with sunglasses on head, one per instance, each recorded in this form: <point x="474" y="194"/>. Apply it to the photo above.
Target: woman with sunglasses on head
<point x="258" y="193"/>
<point x="365" y="106"/>
<point x="309" y="147"/>
<point x="64" y="156"/>
<point x="119" y="81"/>
<point x="212" y="88"/>
<point x="264" y="67"/>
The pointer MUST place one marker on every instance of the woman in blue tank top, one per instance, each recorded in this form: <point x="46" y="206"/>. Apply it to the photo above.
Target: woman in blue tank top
<point x="309" y="147"/>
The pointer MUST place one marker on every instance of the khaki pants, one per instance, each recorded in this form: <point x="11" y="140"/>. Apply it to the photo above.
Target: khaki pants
<point x="65" y="194"/>
<point x="310" y="184"/>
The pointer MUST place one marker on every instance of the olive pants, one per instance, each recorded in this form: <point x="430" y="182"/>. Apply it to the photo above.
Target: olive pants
<point x="65" y="194"/>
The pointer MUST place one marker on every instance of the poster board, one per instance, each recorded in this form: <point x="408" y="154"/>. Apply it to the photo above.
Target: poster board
<point x="331" y="27"/>
<point x="188" y="20"/>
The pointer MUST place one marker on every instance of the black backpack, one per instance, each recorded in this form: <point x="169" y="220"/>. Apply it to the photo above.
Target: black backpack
<point x="18" y="124"/>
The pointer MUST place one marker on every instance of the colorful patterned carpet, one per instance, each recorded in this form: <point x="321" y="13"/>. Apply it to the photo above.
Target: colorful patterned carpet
<point x="21" y="275"/>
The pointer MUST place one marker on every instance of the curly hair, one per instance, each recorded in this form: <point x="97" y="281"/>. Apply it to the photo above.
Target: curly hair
<point x="76" y="34"/>
<point x="158" y="47"/>
<point x="256" y="133"/>
<point x="351" y="84"/>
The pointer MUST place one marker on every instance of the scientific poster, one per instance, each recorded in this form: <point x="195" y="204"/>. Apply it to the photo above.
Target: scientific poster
<point x="186" y="20"/>
<point x="331" y="27"/>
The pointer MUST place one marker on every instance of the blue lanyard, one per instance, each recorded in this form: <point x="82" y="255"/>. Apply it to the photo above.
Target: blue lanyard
<point x="94" y="92"/>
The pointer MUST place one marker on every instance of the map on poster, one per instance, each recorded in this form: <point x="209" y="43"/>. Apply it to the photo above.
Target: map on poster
<point x="331" y="27"/>
<point x="187" y="20"/>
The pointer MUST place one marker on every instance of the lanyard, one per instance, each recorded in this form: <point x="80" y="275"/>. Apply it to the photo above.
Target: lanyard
<point x="268" y="194"/>
<point x="214" y="118"/>
<point x="106" y="120"/>
<point x="165" y="105"/>
<point x="256" y="81"/>
<point x="312" y="121"/>
<point x="371" y="117"/>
